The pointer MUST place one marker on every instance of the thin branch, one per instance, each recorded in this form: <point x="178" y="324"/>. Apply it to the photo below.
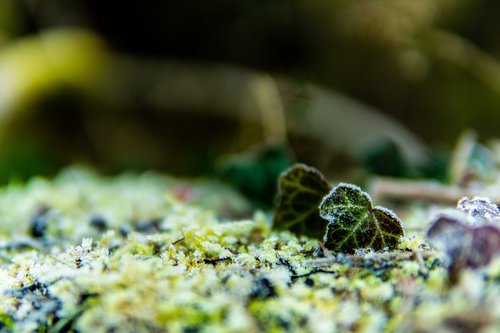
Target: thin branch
<point x="411" y="190"/>
<point x="179" y="240"/>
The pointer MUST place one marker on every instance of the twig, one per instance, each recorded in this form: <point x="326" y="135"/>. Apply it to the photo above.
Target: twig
<point x="355" y="260"/>
<point x="326" y="252"/>
<point x="421" y="263"/>
<point x="462" y="153"/>
<point x="315" y="271"/>
<point x="409" y="190"/>
<point x="179" y="240"/>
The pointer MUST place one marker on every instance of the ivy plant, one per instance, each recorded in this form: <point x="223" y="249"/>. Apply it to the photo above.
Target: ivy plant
<point x="354" y="222"/>
<point x="305" y="202"/>
<point x="300" y="191"/>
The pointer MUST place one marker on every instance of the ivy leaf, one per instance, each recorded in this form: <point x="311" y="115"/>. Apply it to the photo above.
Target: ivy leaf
<point x="468" y="235"/>
<point x="355" y="223"/>
<point x="300" y="190"/>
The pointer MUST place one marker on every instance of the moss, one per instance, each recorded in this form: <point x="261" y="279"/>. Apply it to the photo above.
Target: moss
<point x="202" y="272"/>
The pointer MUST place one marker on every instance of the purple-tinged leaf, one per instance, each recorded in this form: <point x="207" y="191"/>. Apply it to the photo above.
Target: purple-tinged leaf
<point x="465" y="245"/>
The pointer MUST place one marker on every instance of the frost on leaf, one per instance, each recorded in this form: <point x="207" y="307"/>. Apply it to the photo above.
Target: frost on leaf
<point x="466" y="244"/>
<point x="300" y="191"/>
<point x="355" y="223"/>
<point x="479" y="208"/>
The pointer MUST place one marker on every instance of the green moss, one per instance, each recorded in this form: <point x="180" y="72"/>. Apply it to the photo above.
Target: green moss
<point x="198" y="271"/>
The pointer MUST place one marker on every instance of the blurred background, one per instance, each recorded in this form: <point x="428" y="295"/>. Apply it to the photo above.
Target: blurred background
<point x="241" y="89"/>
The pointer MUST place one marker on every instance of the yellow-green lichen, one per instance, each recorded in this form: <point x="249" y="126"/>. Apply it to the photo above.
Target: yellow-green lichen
<point x="196" y="270"/>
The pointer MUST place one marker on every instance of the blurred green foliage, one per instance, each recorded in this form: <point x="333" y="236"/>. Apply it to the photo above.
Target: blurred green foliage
<point x="9" y="20"/>
<point x="78" y="82"/>
<point x="254" y="173"/>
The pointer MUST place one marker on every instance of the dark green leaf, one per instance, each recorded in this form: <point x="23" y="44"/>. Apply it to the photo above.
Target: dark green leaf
<point x="301" y="189"/>
<point x="355" y="223"/>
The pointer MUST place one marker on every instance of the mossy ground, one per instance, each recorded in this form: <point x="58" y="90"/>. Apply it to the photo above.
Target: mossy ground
<point x="168" y="255"/>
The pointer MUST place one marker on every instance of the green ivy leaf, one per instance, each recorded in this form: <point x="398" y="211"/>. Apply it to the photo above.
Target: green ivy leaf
<point x="300" y="191"/>
<point x="355" y="223"/>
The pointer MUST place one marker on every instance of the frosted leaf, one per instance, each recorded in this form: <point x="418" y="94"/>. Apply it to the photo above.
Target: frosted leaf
<point x="479" y="208"/>
<point x="355" y="223"/>
<point x="345" y="196"/>
<point x="465" y="245"/>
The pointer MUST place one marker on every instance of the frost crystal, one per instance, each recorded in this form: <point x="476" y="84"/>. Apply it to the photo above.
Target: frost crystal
<point x="479" y="208"/>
